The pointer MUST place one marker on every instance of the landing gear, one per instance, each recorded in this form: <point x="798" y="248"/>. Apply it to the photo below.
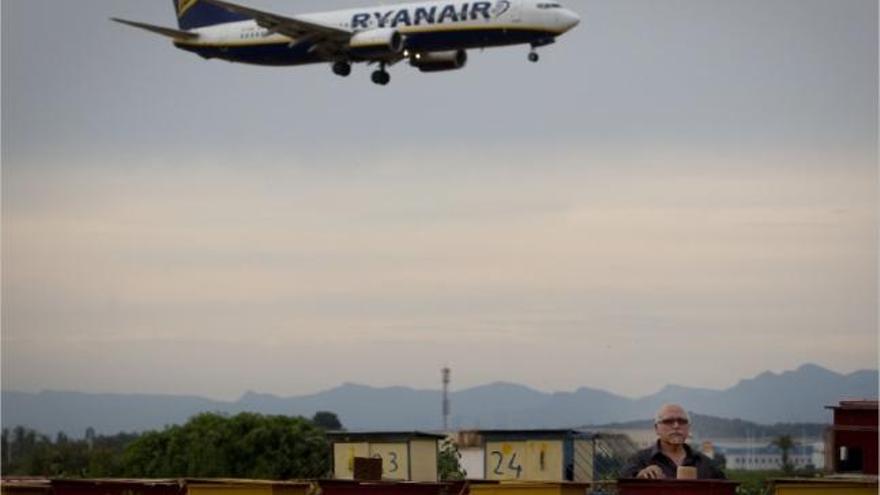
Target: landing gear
<point x="342" y="68"/>
<point x="533" y="55"/>
<point x="381" y="76"/>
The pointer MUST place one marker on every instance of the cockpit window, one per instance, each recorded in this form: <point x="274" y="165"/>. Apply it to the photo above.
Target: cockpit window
<point x="549" y="5"/>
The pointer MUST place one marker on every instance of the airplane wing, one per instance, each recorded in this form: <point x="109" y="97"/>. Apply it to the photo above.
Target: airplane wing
<point x="288" y="26"/>
<point x="164" y="31"/>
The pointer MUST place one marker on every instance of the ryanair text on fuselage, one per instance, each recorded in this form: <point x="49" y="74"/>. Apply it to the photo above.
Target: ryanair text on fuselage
<point x="428" y="15"/>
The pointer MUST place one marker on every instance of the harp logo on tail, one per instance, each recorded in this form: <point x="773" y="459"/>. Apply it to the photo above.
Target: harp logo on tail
<point x="184" y="5"/>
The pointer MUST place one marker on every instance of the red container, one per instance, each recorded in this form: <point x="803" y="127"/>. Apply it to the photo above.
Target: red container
<point x="676" y="487"/>
<point x="854" y="437"/>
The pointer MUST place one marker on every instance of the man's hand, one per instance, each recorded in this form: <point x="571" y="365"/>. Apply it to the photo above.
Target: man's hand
<point x="651" y="472"/>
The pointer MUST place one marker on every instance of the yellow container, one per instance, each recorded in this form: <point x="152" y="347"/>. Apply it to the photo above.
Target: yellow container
<point x="406" y="456"/>
<point x="538" y="455"/>
<point x="825" y="486"/>
<point x="530" y="488"/>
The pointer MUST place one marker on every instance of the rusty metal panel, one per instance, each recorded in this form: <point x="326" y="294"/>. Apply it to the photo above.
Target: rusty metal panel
<point x="676" y="487"/>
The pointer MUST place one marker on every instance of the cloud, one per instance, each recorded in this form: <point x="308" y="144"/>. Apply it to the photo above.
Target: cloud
<point x="442" y="251"/>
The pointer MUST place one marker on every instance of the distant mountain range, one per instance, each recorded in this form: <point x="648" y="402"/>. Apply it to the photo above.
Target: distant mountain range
<point x="798" y="396"/>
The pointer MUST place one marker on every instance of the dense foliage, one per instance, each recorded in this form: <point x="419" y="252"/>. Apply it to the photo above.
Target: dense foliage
<point x="26" y="452"/>
<point x="327" y="420"/>
<point x="243" y="446"/>
<point x="753" y="482"/>
<point x="448" y="463"/>
<point x="208" y="445"/>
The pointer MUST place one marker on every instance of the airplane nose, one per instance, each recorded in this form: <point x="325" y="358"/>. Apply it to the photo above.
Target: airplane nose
<point x="569" y="19"/>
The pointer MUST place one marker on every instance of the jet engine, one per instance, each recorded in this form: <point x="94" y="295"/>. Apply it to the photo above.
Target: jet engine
<point x="376" y="43"/>
<point x="438" y="61"/>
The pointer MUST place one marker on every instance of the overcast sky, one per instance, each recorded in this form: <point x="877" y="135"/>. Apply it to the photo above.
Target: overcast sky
<point x="681" y="191"/>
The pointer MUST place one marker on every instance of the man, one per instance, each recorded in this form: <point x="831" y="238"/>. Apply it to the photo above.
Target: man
<point x="662" y="461"/>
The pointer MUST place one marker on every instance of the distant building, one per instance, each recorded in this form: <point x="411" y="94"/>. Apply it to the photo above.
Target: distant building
<point x="642" y="437"/>
<point x="766" y="457"/>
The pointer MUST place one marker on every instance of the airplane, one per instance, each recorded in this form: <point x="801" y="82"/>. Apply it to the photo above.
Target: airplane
<point x="432" y="35"/>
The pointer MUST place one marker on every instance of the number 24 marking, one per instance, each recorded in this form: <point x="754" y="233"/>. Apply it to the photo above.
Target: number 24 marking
<point x="512" y="465"/>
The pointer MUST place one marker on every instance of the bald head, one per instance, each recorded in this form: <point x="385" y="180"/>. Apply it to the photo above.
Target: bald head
<point x="670" y="410"/>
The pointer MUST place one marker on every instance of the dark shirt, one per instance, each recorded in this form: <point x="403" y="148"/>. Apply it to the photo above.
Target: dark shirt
<point x="706" y="468"/>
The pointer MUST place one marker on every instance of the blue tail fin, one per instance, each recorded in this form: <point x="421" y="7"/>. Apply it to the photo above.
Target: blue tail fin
<point x="194" y="14"/>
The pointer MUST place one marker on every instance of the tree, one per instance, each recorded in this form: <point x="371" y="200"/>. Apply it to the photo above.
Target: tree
<point x="243" y="446"/>
<point x="785" y="444"/>
<point x="90" y="437"/>
<point x="448" y="463"/>
<point x="327" y="420"/>
<point x="28" y="453"/>
<point x="7" y="452"/>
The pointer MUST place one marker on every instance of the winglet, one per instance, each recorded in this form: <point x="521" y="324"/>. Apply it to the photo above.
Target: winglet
<point x="171" y="33"/>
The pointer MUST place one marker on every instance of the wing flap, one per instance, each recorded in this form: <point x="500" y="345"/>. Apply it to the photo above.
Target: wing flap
<point x="164" y="31"/>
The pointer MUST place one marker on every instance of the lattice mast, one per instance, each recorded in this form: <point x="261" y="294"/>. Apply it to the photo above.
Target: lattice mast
<point x="446" y="409"/>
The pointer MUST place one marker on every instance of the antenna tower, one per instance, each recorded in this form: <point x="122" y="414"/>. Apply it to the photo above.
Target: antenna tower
<point x="446" y="399"/>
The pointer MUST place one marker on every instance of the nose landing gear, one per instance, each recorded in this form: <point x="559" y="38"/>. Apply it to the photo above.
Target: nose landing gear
<point x="533" y="55"/>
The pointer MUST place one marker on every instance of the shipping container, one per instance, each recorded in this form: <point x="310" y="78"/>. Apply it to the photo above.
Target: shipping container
<point x="539" y="455"/>
<point x="825" y="486"/>
<point x="406" y="456"/>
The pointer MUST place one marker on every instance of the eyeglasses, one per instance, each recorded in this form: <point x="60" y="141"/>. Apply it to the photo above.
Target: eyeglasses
<point x="672" y="421"/>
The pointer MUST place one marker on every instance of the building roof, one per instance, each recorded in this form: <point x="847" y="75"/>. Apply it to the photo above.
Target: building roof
<point x="535" y="434"/>
<point x="855" y="404"/>
<point x="381" y="436"/>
